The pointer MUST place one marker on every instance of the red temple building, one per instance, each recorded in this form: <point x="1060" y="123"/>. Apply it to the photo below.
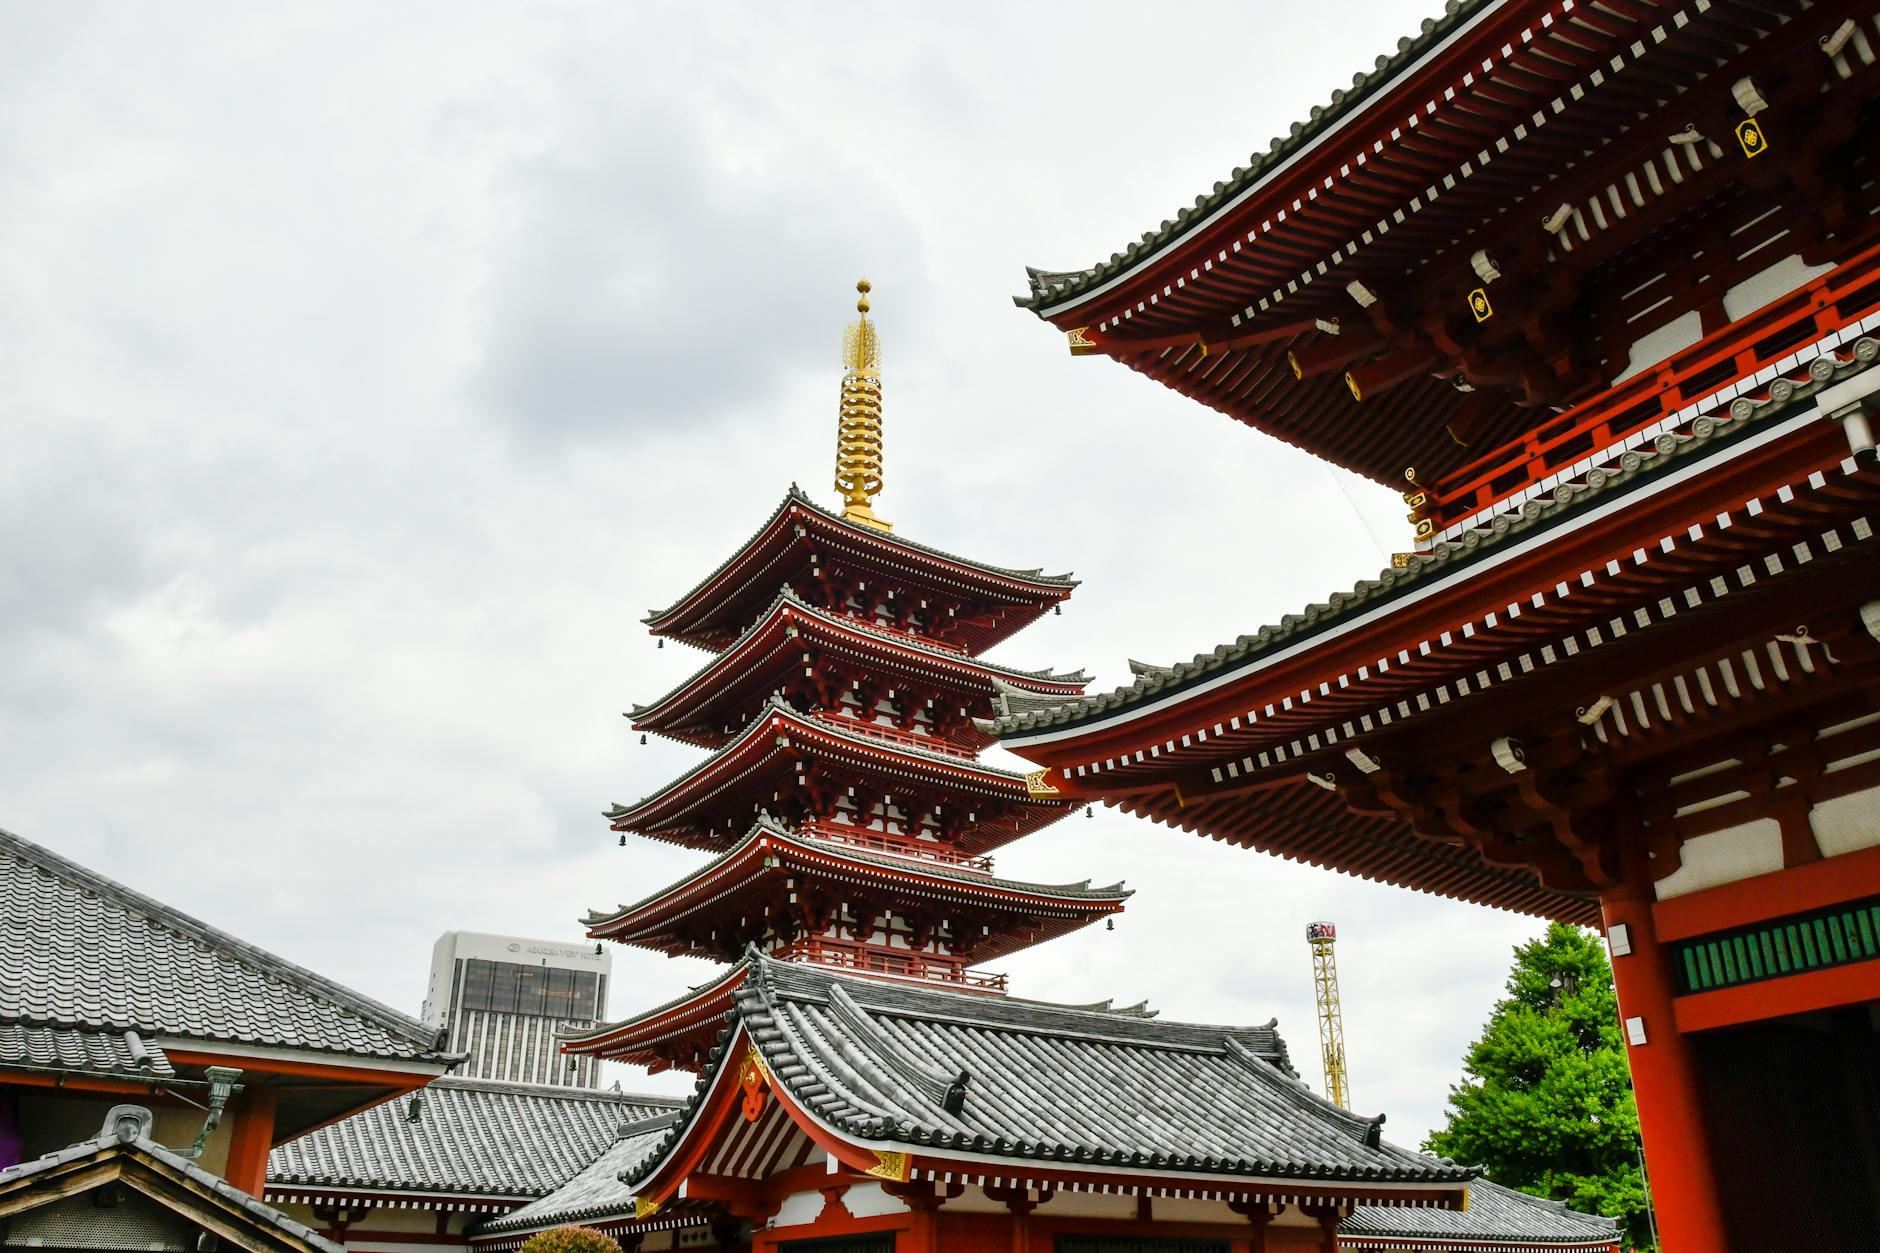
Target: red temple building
<point x="1597" y="287"/>
<point x="864" y="1083"/>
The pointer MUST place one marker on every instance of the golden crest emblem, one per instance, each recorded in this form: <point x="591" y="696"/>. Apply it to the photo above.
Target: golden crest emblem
<point x="1479" y="306"/>
<point x="1749" y="135"/>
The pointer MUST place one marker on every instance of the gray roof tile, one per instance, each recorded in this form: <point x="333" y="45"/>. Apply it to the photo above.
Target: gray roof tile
<point x="595" y="1191"/>
<point x="68" y="1048"/>
<point x="1495" y="1213"/>
<point x="472" y="1136"/>
<point x="81" y="952"/>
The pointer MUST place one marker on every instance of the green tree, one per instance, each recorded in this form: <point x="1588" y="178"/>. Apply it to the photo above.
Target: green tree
<point x="570" y="1240"/>
<point x="1546" y="1102"/>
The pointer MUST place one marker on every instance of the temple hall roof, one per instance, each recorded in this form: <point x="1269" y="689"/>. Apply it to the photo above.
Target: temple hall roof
<point x="476" y="1137"/>
<point x="594" y="1191"/>
<point x="98" y="974"/>
<point x="1064" y="1088"/>
<point x="1049" y="288"/>
<point x="1706" y="428"/>
<point x="1496" y="1217"/>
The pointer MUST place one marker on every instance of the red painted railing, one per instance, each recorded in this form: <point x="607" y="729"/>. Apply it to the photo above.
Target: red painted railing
<point x="900" y="965"/>
<point x="899" y="845"/>
<point x="894" y="735"/>
<point x="1827" y="302"/>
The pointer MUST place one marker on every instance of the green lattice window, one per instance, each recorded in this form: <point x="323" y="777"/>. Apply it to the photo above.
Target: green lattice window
<point x="1837" y="936"/>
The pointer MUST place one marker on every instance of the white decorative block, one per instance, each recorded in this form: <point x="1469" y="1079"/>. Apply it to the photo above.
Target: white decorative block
<point x="1619" y="940"/>
<point x="1635" y="1030"/>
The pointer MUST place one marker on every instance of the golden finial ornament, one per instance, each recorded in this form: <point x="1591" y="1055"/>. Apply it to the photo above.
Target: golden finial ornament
<point x="858" y="423"/>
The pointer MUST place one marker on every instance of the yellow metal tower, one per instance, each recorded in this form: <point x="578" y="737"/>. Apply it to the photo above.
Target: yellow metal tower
<point x="1321" y="936"/>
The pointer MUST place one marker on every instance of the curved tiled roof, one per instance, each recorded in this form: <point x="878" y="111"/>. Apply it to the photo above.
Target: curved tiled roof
<point x="82" y="952"/>
<point x="1048" y="288"/>
<point x="797" y="496"/>
<point x="1495" y="1214"/>
<point x="1061" y="1086"/>
<point x="596" y="1190"/>
<point x="1452" y="558"/>
<point x="93" y="1052"/>
<point x="769" y="828"/>
<point x="472" y="1136"/>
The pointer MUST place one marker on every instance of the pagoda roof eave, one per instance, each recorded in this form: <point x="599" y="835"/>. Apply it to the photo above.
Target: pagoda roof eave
<point x="682" y="1015"/>
<point x="766" y="834"/>
<point x="676" y="797"/>
<point x="1739" y="423"/>
<point x="1033" y="582"/>
<point x="1051" y="294"/>
<point x="788" y="604"/>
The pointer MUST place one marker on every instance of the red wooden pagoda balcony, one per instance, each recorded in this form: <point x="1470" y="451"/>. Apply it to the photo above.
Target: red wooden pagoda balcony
<point x="898" y="845"/>
<point x="1826" y="303"/>
<point x="894" y="735"/>
<point x="844" y="955"/>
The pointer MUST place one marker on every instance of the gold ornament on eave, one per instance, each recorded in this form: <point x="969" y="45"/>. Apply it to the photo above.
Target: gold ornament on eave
<point x="858" y="424"/>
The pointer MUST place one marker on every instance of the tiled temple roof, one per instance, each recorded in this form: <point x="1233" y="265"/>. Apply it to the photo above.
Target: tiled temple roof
<point x="1064" y="1087"/>
<point x="85" y="954"/>
<point x="770" y="828"/>
<point x="472" y="1136"/>
<point x="1496" y="1216"/>
<point x="75" y="1049"/>
<point x="1048" y="288"/>
<point x="596" y="1190"/>
<point x="1638" y="461"/>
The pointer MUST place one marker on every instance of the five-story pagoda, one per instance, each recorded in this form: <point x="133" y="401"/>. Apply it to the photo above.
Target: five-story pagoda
<point x="843" y="796"/>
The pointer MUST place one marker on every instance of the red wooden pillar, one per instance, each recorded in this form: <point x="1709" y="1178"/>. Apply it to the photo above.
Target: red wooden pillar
<point x="250" y="1139"/>
<point x="1664" y="1074"/>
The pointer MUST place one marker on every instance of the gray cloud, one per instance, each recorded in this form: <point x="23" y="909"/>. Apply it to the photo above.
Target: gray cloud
<point x="300" y="630"/>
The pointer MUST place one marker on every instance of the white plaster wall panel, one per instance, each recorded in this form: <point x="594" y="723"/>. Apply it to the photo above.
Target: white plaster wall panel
<point x="1847" y="823"/>
<point x="869" y="1200"/>
<point x="1725" y="857"/>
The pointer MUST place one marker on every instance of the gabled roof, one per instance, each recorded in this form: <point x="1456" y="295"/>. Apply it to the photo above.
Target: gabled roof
<point x="892" y="652"/>
<point x="596" y="1190"/>
<point x="771" y="851"/>
<point x="89" y="955"/>
<point x="1060" y="1089"/>
<point x="675" y="811"/>
<point x="172" y="1198"/>
<point x="1498" y="1217"/>
<point x="710" y="616"/>
<point x="472" y="1137"/>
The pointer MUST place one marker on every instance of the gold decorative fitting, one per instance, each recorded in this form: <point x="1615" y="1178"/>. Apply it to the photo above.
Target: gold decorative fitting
<point x="1479" y="306"/>
<point x="1038" y="783"/>
<point x="1400" y="561"/>
<point x="644" y="1207"/>
<point x="858" y="421"/>
<point x="1416" y="499"/>
<point x="1357" y="393"/>
<point x="889" y="1166"/>
<point x="1081" y="345"/>
<point x="1749" y="134"/>
<point x="1425" y="527"/>
<point x="1293" y="362"/>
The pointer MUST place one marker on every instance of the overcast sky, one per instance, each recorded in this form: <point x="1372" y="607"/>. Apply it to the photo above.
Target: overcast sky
<point x="367" y="371"/>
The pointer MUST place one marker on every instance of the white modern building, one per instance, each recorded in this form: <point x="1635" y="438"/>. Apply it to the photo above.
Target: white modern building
<point x="504" y="999"/>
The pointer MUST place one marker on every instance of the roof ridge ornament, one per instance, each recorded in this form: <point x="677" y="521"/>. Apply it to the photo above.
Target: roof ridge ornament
<point x="858" y="421"/>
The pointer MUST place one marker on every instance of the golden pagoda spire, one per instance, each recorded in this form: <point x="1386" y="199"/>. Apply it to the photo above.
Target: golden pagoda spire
<point x="858" y="424"/>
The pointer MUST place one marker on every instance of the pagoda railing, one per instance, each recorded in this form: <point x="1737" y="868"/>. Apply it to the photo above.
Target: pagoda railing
<point x="866" y="959"/>
<point x="1777" y="330"/>
<point x="899" y="845"/>
<point x="895" y="735"/>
